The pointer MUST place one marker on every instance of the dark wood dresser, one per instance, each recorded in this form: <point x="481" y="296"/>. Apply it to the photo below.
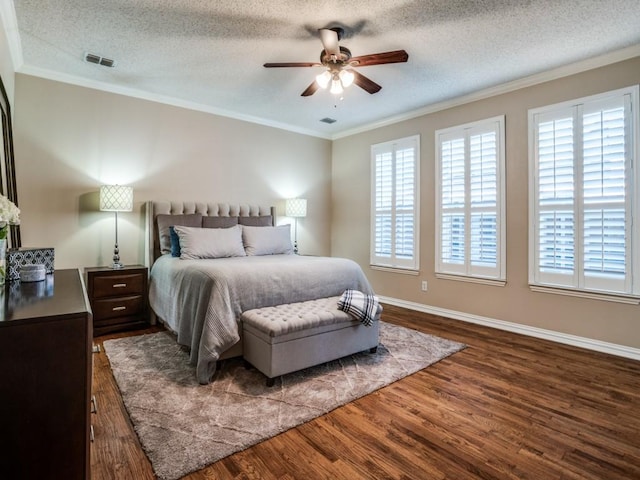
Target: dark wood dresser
<point x="118" y="298"/>
<point x="45" y="378"/>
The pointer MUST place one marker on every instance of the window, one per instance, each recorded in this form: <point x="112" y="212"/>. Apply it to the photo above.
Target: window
<point x="394" y="203"/>
<point x="470" y="209"/>
<point x="583" y="158"/>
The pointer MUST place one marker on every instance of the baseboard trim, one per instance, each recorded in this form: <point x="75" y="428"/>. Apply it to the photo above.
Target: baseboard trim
<point x="558" y="337"/>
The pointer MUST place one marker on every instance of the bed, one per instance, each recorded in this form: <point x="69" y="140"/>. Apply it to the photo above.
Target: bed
<point x="201" y="300"/>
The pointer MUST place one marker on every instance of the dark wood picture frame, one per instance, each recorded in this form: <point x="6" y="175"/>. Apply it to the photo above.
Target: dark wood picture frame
<point x="7" y="163"/>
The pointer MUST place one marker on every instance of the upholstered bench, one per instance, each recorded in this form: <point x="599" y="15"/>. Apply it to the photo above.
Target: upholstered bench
<point x="291" y="337"/>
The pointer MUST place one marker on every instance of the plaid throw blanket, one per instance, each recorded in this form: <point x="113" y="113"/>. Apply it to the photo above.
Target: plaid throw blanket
<point x="360" y="306"/>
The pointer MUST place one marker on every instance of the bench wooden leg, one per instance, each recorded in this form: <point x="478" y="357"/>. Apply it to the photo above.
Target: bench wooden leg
<point x="270" y="382"/>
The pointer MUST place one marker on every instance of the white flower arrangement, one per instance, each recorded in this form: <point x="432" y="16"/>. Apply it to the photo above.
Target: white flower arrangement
<point x="9" y="215"/>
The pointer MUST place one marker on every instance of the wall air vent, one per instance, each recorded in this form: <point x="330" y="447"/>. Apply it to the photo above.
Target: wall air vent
<point x="98" y="60"/>
<point x="328" y="120"/>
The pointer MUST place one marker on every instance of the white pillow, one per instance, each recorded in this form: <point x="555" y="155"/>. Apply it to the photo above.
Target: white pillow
<point x="210" y="242"/>
<point x="267" y="240"/>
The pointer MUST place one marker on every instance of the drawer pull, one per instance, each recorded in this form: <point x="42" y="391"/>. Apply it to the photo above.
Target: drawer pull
<point x="119" y="285"/>
<point x="91" y="435"/>
<point x="94" y="404"/>
<point x="96" y="349"/>
<point x="118" y="309"/>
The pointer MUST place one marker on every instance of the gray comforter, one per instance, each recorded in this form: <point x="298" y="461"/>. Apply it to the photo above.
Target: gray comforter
<point x="202" y="300"/>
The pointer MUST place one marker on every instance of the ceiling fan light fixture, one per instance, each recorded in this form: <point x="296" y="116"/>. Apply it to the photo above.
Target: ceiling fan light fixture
<point x="336" y="86"/>
<point x="323" y="79"/>
<point x="338" y="62"/>
<point x="346" y="77"/>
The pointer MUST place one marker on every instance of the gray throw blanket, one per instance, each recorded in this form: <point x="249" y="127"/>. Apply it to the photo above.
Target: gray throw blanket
<point x="359" y="305"/>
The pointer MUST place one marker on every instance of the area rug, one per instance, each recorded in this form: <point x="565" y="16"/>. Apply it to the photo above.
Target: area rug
<point x="184" y="426"/>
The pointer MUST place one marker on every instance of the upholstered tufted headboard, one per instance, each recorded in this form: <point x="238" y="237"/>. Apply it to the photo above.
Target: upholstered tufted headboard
<point x="197" y="213"/>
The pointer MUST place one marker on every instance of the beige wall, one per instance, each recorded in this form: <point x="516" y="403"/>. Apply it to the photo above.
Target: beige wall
<point x="600" y="320"/>
<point x="69" y="140"/>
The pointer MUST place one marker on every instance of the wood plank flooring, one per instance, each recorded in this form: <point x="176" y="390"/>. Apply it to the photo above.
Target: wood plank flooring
<point x="506" y="407"/>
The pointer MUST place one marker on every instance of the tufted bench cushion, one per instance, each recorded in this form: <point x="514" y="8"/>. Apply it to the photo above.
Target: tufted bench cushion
<point x="281" y="320"/>
<point x="290" y="337"/>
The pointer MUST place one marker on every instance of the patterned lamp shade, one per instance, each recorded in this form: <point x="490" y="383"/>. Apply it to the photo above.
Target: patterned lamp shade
<point x="116" y="198"/>
<point x="296" y="207"/>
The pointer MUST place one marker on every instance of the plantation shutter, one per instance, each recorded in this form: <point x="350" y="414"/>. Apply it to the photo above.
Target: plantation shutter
<point x="483" y="175"/>
<point x="384" y="206"/>
<point x="583" y="204"/>
<point x="556" y="202"/>
<point x="394" y="204"/>
<point x="606" y="214"/>
<point x="452" y="184"/>
<point x="469" y="207"/>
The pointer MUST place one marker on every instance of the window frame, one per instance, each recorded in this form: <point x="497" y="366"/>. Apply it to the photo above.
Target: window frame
<point x="579" y="282"/>
<point x="392" y="263"/>
<point x="466" y="271"/>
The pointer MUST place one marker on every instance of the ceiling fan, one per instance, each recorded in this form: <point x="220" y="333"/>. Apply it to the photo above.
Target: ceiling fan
<point x="339" y="65"/>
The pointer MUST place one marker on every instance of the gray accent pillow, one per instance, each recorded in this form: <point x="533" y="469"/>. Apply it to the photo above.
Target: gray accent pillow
<point x="210" y="242"/>
<point x="219" y="222"/>
<point x="261" y="221"/>
<point x="165" y="221"/>
<point x="267" y="240"/>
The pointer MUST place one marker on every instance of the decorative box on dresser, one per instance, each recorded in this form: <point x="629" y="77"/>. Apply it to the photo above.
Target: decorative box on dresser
<point x="45" y="379"/>
<point x="118" y="298"/>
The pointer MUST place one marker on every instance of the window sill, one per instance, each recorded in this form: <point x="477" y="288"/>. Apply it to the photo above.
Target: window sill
<point x="607" y="297"/>
<point x="404" y="271"/>
<point x="462" y="278"/>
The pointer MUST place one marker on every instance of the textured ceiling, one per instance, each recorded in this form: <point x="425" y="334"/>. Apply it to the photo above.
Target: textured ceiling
<point x="209" y="54"/>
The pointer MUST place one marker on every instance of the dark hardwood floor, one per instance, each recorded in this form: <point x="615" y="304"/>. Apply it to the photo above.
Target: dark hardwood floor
<point x="506" y="407"/>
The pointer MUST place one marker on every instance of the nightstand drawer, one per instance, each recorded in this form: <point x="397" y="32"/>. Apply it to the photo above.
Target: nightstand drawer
<point x="118" y="285"/>
<point x="118" y="298"/>
<point x="117" y="307"/>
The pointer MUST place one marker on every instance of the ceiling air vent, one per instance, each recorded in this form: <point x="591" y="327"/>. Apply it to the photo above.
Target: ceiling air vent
<point x="98" y="60"/>
<point x="328" y="120"/>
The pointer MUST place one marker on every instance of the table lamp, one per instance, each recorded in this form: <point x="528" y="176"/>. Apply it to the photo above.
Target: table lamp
<point x="296" y="208"/>
<point x="116" y="198"/>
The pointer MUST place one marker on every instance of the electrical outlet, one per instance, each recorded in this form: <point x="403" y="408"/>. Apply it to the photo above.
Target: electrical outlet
<point x="423" y="287"/>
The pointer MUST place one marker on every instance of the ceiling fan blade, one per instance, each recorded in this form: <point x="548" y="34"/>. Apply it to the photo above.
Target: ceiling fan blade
<point x="311" y="89"/>
<point x="397" y="56"/>
<point x="292" y="64"/>
<point x="365" y="83"/>
<point x="329" y="40"/>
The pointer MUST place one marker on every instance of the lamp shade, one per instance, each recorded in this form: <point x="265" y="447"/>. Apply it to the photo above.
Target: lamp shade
<point x="116" y="198"/>
<point x="296" y="207"/>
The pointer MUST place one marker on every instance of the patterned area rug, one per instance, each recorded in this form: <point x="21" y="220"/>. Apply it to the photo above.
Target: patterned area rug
<point x="184" y="426"/>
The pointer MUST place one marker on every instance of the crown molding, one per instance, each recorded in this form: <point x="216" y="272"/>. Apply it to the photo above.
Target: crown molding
<point x="553" y="74"/>
<point x="167" y="100"/>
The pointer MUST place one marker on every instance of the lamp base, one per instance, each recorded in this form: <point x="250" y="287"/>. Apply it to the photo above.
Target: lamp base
<point x="116" y="265"/>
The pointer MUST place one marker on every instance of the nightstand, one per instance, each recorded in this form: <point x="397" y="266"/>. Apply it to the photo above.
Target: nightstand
<point x="118" y="298"/>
